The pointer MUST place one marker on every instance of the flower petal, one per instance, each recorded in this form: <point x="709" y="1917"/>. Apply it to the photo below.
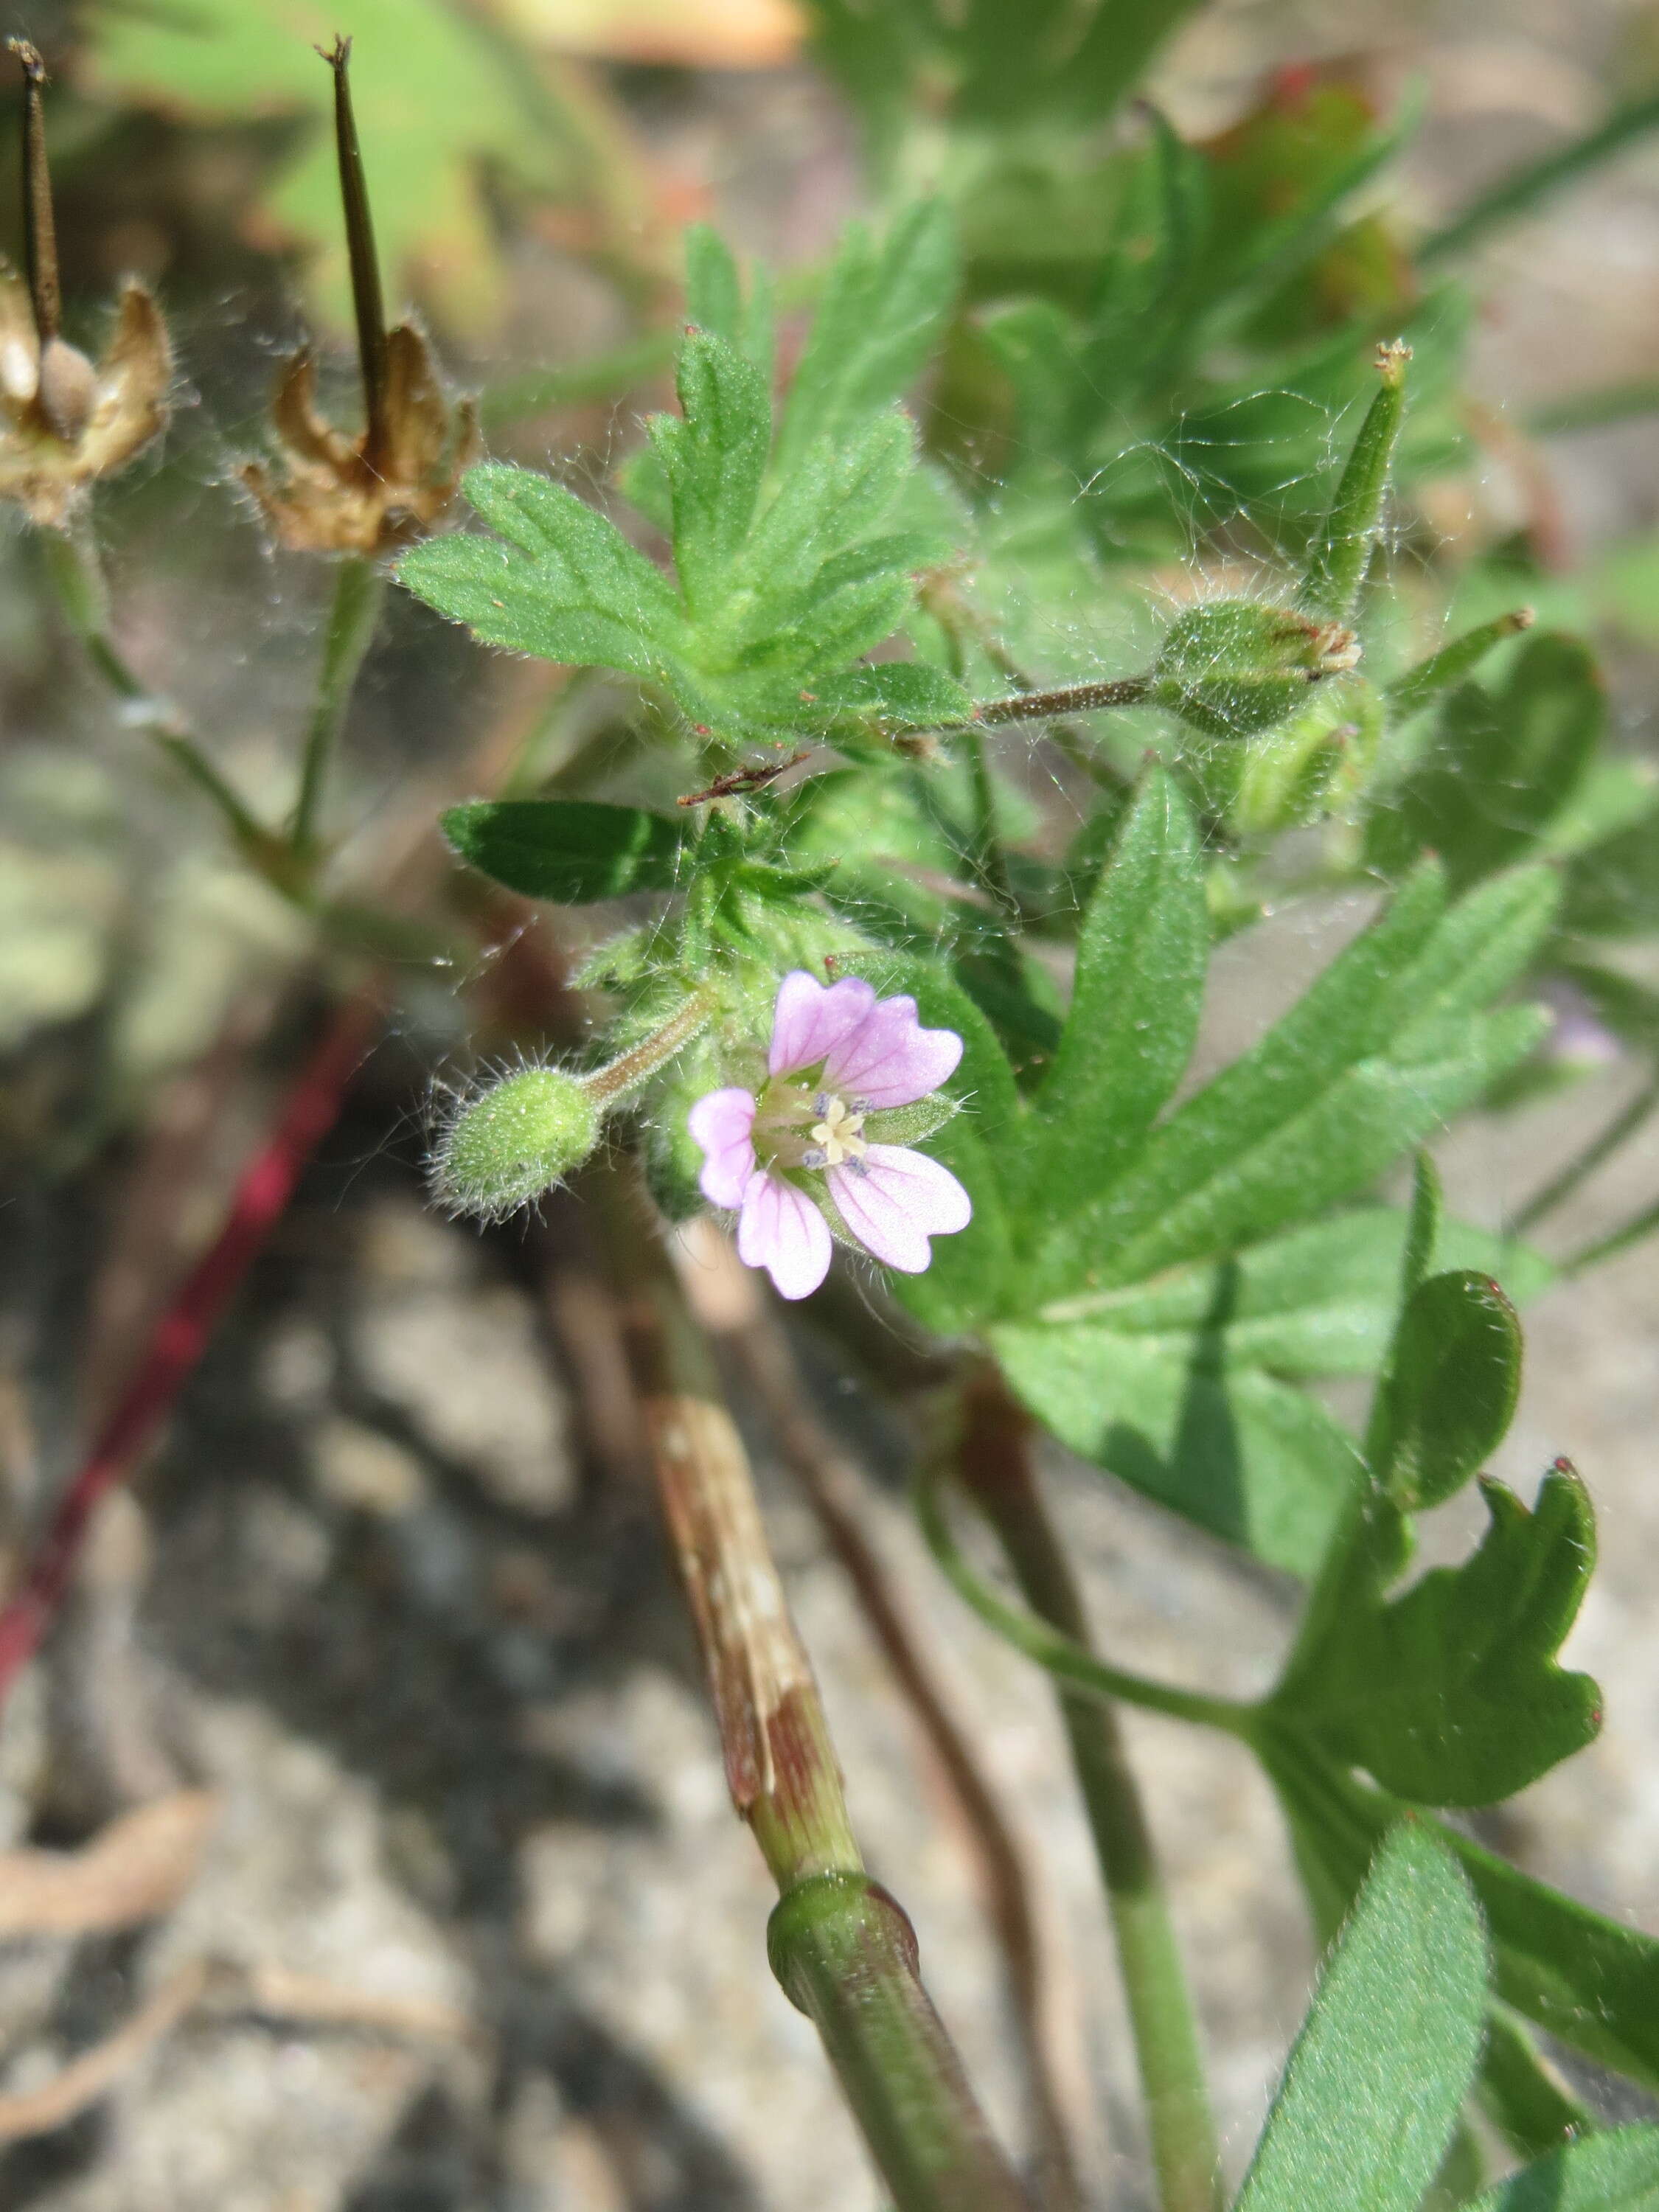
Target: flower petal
<point x="901" y="1200"/>
<point x="810" y="1018"/>
<point x="781" y="1229"/>
<point x="890" y="1060"/>
<point x="720" y="1121"/>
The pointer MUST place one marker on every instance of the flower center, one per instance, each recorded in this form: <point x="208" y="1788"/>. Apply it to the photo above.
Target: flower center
<point x="797" y="1128"/>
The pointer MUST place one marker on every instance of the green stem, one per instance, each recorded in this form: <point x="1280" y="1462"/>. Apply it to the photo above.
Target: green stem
<point x="359" y="596"/>
<point x="1060" y="1653"/>
<point x="1065" y="699"/>
<point x="990" y="856"/>
<point x="77" y="579"/>
<point x="1617" y="1241"/>
<point x="1624" y="1125"/>
<point x="995" y="1469"/>
<point x="1521" y="190"/>
<point x="842" y="1948"/>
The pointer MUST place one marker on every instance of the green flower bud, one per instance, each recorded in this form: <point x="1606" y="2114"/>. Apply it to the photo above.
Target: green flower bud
<point x="1235" y="667"/>
<point x="514" y="1140"/>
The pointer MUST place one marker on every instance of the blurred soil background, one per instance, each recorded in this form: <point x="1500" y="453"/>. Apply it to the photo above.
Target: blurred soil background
<point x="463" y="1922"/>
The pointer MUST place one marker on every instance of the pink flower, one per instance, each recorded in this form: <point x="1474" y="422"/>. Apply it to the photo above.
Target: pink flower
<point x="840" y="1058"/>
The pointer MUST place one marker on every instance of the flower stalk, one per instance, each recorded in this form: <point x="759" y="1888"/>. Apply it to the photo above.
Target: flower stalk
<point x="994" y="1466"/>
<point x="354" y="615"/>
<point x="840" y="1945"/>
<point x="77" y="580"/>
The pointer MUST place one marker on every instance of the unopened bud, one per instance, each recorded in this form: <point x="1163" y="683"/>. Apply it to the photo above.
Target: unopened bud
<point x="1235" y="667"/>
<point x="514" y="1141"/>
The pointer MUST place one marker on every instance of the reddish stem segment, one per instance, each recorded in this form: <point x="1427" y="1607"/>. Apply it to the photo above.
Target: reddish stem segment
<point x="181" y="1336"/>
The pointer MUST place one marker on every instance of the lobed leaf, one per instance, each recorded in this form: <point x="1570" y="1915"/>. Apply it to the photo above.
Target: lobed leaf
<point x="1318" y="1300"/>
<point x="1451" y="1694"/>
<point x="882" y="307"/>
<point x="1251" y="1459"/>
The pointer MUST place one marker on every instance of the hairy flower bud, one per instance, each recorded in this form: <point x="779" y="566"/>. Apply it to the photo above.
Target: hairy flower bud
<point x="514" y="1140"/>
<point x="1236" y="667"/>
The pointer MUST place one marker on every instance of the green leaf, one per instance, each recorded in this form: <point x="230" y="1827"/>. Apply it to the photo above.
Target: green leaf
<point x="1523" y="2097"/>
<point x="1502" y="765"/>
<point x="882" y="310"/>
<point x="715" y="456"/>
<point x="561" y="581"/>
<point x="1617" y="2172"/>
<point x="1451" y="1694"/>
<point x="714" y="300"/>
<point x="1318" y="1300"/>
<point x="1371" y="2091"/>
<point x="1612" y="887"/>
<point x="1449" y="1396"/>
<point x="1590" y="1982"/>
<point x="438" y="102"/>
<point x="1387" y="1044"/>
<point x="788" y="570"/>
<point x="1249" y="1458"/>
<point x="569" y="850"/>
<point x="1135" y="1004"/>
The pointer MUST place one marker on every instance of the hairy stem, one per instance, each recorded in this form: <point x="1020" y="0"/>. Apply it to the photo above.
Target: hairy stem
<point x="1578" y="1171"/>
<point x="839" y="1944"/>
<point x="995" y="1468"/>
<point x="77" y="578"/>
<point x="353" y="617"/>
<point x="1065" y="699"/>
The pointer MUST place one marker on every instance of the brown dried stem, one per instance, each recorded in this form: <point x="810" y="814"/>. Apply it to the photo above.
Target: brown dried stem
<point x="841" y="1947"/>
<point x="729" y="1303"/>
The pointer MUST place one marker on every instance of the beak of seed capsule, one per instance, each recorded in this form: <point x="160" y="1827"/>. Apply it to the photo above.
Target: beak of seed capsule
<point x="391" y="483"/>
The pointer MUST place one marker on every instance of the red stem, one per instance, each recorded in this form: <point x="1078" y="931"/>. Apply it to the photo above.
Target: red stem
<point x="181" y="1336"/>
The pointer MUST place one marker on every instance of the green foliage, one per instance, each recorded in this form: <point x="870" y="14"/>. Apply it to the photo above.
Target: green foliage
<point x="569" y="850"/>
<point x="1373" y="2086"/>
<point x="789" y="569"/>
<point x="1242" y="1454"/>
<point x="1501" y="766"/>
<point x="1387" y="1042"/>
<point x="1591" y="1982"/>
<point x="436" y="103"/>
<point x="1451" y="1694"/>
<point x="1618" y="2172"/>
<point x="1142" y="952"/>
<point x="1448" y="1397"/>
